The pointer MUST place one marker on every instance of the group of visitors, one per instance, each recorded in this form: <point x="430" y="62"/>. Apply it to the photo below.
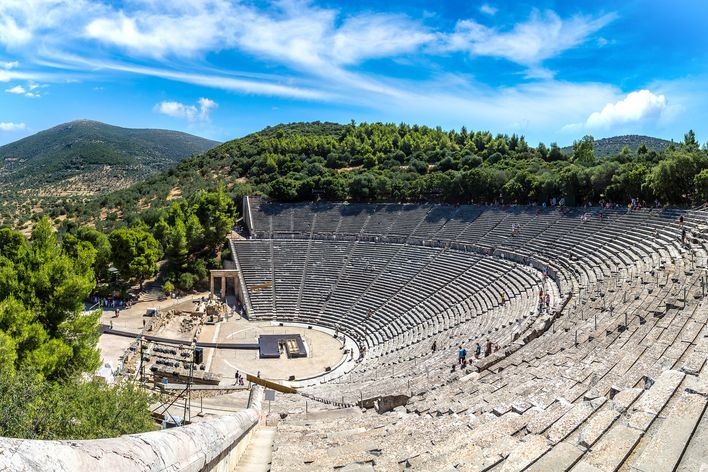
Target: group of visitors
<point x="544" y="301"/>
<point x="489" y="348"/>
<point x="239" y="378"/>
<point x="238" y="308"/>
<point x="110" y="303"/>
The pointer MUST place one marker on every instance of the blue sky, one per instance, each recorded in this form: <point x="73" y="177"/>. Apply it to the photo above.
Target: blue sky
<point x="550" y="70"/>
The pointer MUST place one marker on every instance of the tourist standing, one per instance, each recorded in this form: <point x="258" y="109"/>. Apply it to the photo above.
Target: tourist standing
<point x="461" y="354"/>
<point x="488" y="349"/>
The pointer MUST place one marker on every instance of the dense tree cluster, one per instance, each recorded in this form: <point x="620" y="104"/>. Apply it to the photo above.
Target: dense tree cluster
<point x="42" y="288"/>
<point x="190" y="232"/>
<point x="368" y="162"/>
<point x="48" y="344"/>
<point x="402" y="163"/>
<point x="35" y="408"/>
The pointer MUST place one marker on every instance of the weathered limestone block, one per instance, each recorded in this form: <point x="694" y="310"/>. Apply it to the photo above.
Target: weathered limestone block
<point x="573" y="419"/>
<point x="611" y="450"/>
<point x="530" y="449"/>
<point x="624" y="398"/>
<point x="644" y="410"/>
<point x="596" y="427"/>
<point x="559" y="458"/>
<point x="190" y="448"/>
<point x="664" y="450"/>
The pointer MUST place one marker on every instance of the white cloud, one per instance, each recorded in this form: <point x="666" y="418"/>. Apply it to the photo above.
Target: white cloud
<point x="636" y="107"/>
<point x="31" y="91"/>
<point x="9" y="126"/>
<point x="375" y="36"/>
<point x="11" y="33"/>
<point x="319" y="47"/>
<point x="17" y="89"/>
<point x="205" y="107"/>
<point x="9" y="65"/>
<point x="542" y="36"/>
<point x="158" y="35"/>
<point x="294" y="32"/>
<point x="487" y="9"/>
<point x="531" y="109"/>
<point x="191" y="113"/>
<point x="21" y="20"/>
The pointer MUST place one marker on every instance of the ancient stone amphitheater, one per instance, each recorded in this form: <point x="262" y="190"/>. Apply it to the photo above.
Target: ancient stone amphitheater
<point x="611" y="375"/>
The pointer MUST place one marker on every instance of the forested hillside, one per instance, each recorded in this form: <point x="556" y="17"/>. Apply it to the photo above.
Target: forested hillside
<point x="80" y="159"/>
<point x="368" y="162"/>
<point x="614" y="145"/>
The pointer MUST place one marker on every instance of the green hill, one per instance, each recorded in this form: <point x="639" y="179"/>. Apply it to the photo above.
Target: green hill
<point x="79" y="149"/>
<point x="84" y="158"/>
<point x="612" y="146"/>
<point x="390" y="162"/>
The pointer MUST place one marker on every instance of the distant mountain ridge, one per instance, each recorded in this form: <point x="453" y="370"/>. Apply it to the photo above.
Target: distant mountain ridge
<point x="82" y="157"/>
<point x="612" y="146"/>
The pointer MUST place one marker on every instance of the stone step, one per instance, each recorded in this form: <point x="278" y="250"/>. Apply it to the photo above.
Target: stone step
<point x="528" y="450"/>
<point x="573" y="419"/>
<point x="610" y="451"/>
<point x="258" y="454"/>
<point x="560" y="458"/>
<point x="549" y="416"/>
<point x="666" y="447"/>
<point x="695" y="457"/>
<point x="645" y="410"/>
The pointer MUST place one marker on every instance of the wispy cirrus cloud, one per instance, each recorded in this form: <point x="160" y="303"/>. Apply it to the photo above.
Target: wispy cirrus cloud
<point x="21" y="21"/>
<point x="235" y="81"/>
<point x="294" y="32"/>
<point x="317" y="42"/>
<point x="301" y="51"/>
<point x="529" y="43"/>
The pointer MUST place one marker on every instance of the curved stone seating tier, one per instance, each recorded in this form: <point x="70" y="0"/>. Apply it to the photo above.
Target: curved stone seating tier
<point x="378" y="293"/>
<point x="567" y="239"/>
<point x="621" y="394"/>
<point x="616" y="379"/>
